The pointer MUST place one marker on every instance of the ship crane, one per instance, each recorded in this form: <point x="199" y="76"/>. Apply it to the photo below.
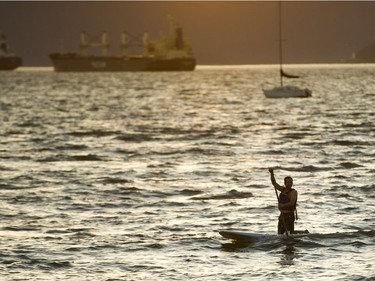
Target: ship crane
<point x="86" y="43"/>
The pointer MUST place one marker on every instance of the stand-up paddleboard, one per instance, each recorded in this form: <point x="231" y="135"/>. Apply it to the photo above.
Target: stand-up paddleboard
<point x="242" y="235"/>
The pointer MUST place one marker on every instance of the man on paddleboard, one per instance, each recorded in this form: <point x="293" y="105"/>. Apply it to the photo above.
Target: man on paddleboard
<point x="287" y="204"/>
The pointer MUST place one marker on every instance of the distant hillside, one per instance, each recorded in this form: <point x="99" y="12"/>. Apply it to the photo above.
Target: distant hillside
<point x="366" y="55"/>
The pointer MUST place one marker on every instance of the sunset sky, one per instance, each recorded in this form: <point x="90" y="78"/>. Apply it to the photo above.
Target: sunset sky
<point x="220" y="32"/>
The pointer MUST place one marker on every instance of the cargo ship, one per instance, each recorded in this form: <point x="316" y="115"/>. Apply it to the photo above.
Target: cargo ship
<point x="8" y="59"/>
<point x="170" y="52"/>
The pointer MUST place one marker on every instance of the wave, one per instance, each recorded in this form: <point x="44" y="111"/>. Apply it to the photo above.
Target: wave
<point x="190" y="192"/>
<point x="93" y="133"/>
<point x="41" y="263"/>
<point x="232" y="194"/>
<point x="110" y="180"/>
<point x="351" y="143"/>
<point x="348" y="165"/>
<point x="313" y="240"/>
<point x="89" y="157"/>
<point x="308" y="168"/>
<point x="61" y="157"/>
<point x="197" y="151"/>
<point x="71" y="147"/>
<point x="135" y="137"/>
<point x="178" y="134"/>
<point x="20" y="228"/>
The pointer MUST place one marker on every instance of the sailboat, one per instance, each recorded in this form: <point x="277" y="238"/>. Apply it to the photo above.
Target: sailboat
<point x="285" y="91"/>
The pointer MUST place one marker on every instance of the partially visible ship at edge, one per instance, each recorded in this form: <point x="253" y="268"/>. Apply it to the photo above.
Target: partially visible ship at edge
<point x="170" y="52"/>
<point x="8" y="59"/>
<point x="365" y="55"/>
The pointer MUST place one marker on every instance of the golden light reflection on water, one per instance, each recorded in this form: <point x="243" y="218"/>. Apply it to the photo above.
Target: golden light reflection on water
<point x="134" y="175"/>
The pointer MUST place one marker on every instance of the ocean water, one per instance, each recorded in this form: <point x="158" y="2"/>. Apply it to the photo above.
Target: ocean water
<point x="130" y="176"/>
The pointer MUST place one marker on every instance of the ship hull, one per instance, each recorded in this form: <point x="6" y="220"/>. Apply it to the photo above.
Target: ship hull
<point x="75" y="63"/>
<point x="10" y="63"/>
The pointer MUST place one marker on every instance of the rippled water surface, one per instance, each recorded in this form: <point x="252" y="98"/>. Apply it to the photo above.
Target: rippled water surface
<point x="130" y="176"/>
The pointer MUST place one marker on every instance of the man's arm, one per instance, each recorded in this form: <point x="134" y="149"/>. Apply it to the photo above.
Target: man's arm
<point x="273" y="180"/>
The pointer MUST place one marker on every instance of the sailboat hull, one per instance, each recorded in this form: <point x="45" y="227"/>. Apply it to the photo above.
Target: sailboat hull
<point x="287" y="92"/>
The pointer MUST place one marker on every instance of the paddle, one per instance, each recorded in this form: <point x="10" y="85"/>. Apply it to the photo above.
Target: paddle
<point x="282" y="214"/>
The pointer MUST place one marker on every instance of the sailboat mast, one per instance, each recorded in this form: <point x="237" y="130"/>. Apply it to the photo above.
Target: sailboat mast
<point x="280" y="46"/>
